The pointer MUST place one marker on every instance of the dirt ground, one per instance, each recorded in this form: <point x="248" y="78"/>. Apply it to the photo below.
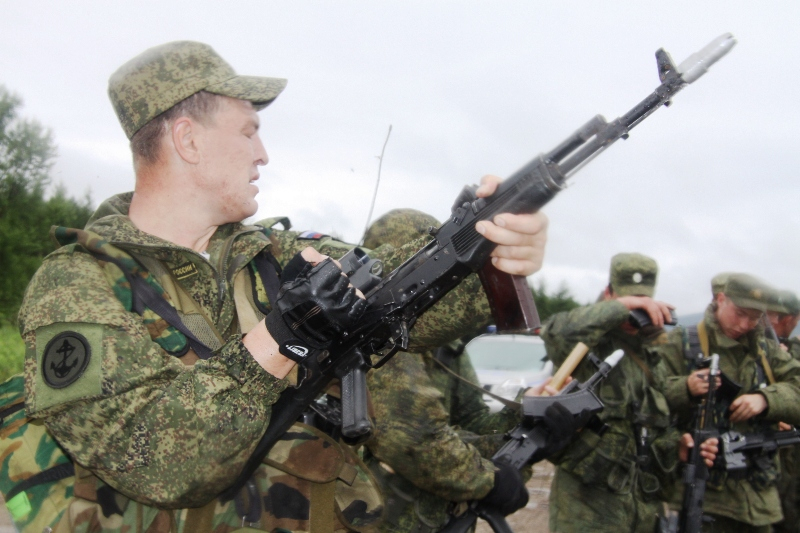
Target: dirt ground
<point x="531" y="519"/>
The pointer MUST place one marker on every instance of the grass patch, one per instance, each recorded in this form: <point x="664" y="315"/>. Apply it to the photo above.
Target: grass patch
<point x="12" y="351"/>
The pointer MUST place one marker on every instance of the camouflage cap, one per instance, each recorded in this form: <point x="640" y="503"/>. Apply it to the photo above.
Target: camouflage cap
<point x="162" y="76"/>
<point x="747" y="291"/>
<point x="633" y="275"/>
<point x="398" y="227"/>
<point x="718" y="282"/>
<point x="772" y="300"/>
<point x="790" y="302"/>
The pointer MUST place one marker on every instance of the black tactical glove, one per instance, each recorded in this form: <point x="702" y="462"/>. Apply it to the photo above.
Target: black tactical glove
<point x="508" y="493"/>
<point x="313" y="308"/>
<point x="561" y="428"/>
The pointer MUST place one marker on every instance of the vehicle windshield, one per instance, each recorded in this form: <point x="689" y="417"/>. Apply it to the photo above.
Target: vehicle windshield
<point x="507" y="352"/>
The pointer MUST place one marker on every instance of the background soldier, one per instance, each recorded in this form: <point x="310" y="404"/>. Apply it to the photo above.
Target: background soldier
<point x="433" y="430"/>
<point x="159" y="406"/>
<point x="770" y="393"/>
<point x="784" y="313"/>
<point x="613" y="482"/>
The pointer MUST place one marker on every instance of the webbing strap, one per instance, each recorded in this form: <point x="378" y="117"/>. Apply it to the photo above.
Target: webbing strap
<point x="51" y="475"/>
<point x="147" y="295"/>
<point x="702" y="335"/>
<point x="200" y="519"/>
<point x="269" y="270"/>
<point x="322" y="512"/>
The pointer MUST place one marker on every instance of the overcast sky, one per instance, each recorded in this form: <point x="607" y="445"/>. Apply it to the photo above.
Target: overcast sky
<point x="470" y="88"/>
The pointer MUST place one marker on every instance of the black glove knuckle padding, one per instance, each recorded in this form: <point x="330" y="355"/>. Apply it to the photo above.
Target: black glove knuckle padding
<point x="318" y="305"/>
<point x="508" y="493"/>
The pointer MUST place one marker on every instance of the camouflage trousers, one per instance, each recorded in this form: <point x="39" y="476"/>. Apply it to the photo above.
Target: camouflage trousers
<point x="308" y="484"/>
<point x="579" y="508"/>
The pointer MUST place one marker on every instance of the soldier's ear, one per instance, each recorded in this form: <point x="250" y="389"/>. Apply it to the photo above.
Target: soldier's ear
<point x="183" y="134"/>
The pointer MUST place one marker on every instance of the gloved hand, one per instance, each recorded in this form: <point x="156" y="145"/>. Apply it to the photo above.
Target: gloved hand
<point x="313" y="308"/>
<point x="561" y="428"/>
<point x="508" y="493"/>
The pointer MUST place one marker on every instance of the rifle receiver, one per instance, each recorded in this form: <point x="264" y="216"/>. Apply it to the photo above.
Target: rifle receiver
<point x="698" y="63"/>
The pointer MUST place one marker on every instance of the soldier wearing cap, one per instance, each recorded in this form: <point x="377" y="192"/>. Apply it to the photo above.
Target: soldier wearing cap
<point x="783" y="310"/>
<point x="157" y="342"/>
<point x="433" y="430"/>
<point x="770" y="392"/>
<point x="612" y="482"/>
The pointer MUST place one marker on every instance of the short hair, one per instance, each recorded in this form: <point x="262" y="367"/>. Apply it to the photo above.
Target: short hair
<point x="146" y="143"/>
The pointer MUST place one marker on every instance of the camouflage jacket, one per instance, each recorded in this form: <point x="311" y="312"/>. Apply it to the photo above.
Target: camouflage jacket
<point x="753" y="500"/>
<point x="427" y="428"/>
<point x="161" y="432"/>
<point x="793" y="347"/>
<point x="635" y="407"/>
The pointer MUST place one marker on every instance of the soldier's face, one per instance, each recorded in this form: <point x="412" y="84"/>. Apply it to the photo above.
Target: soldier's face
<point x="735" y="321"/>
<point x="231" y="152"/>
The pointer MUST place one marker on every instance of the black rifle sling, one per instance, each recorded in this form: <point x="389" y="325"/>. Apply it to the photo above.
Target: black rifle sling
<point x="269" y="270"/>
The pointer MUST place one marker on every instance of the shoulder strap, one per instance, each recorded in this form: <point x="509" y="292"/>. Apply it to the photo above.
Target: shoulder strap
<point x="765" y="366"/>
<point x="145" y="295"/>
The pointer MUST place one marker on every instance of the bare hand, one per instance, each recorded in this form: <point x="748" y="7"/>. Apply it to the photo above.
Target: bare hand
<point x="521" y="238"/>
<point x="659" y="311"/>
<point x="708" y="450"/>
<point x="697" y="382"/>
<point x="783" y="426"/>
<point x="747" y="406"/>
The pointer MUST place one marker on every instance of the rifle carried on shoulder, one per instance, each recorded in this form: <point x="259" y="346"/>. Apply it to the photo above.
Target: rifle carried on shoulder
<point x="456" y="251"/>
<point x="526" y="440"/>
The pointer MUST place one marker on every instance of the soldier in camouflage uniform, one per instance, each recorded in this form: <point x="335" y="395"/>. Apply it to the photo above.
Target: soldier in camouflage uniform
<point x="770" y="393"/>
<point x="425" y="450"/>
<point x="613" y="482"/>
<point x="155" y="429"/>
<point x="784" y="312"/>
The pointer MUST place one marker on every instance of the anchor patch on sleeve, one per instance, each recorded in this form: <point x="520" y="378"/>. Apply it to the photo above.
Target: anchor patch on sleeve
<point x="65" y="358"/>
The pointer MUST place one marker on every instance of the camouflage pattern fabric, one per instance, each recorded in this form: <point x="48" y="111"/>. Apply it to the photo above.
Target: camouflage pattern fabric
<point x="633" y="275"/>
<point x="626" y="488"/>
<point x="179" y="433"/>
<point x="426" y="425"/>
<point x="753" y="500"/>
<point x="160" y="77"/>
<point x="789" y="483"/>
<point x="27" y="450"/>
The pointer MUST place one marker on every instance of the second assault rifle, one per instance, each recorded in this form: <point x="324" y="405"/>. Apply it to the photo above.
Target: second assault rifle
<point x="526" y="440"/>
<point x="739" y="451"/>
<point x="456" y="251"/>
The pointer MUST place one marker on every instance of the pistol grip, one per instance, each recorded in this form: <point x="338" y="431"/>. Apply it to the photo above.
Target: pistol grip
<point x="355" y="418"/>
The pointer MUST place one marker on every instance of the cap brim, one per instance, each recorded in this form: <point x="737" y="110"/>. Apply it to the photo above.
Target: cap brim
<point x="747" y="303"/>
<point x="258" y="90"/>
<point x="634" y="290"/>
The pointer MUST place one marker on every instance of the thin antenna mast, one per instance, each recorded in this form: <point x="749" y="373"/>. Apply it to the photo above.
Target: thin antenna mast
<point x="377" y="184"/>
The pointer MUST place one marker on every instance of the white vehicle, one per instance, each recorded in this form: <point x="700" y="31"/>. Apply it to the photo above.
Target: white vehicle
<point x="507" y="363"/>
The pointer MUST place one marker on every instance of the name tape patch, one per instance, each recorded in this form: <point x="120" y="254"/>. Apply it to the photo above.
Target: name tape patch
<point x="185" y="271"/>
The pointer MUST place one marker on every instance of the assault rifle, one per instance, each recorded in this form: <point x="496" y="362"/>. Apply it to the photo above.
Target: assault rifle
<point x="695" y="471"/>
<point x="740" y="451"/>
<point x="456" y="251"/>
<point x="526" y="441"/>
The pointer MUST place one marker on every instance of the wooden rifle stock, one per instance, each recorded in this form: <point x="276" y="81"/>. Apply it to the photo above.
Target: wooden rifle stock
<point x="568" y="366"/>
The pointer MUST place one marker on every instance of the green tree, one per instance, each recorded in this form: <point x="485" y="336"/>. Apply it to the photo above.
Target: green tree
<point x="26" y="157"/>
<point x="552" y="303"/>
